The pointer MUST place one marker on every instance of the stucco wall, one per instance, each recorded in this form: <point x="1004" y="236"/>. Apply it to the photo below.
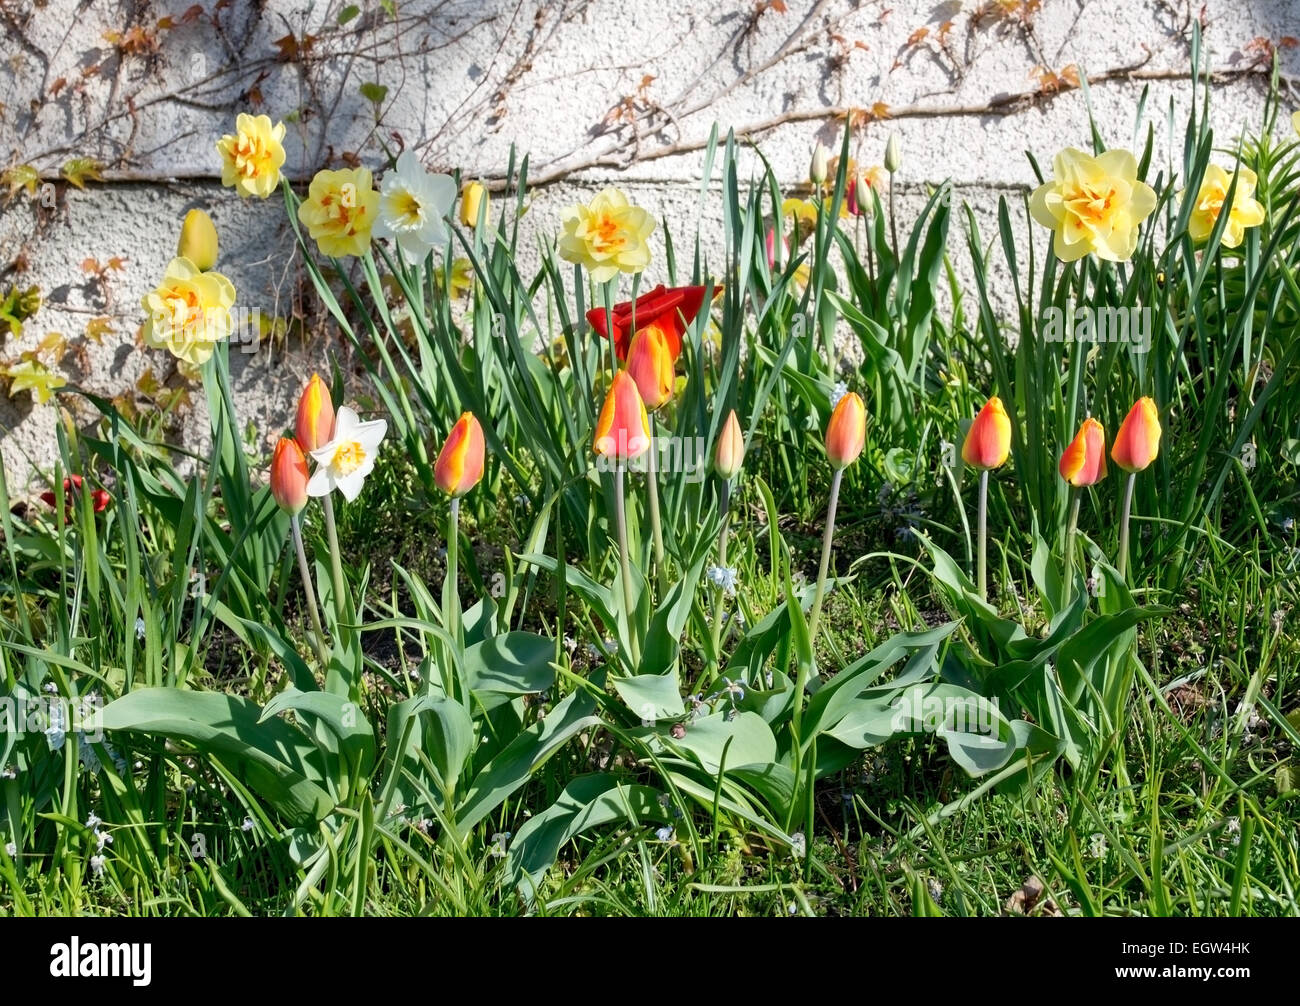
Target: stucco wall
<point x="591" y="90"/>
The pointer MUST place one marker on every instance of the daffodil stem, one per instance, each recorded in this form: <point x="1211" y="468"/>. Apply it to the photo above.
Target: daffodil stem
<point x="828" y="537"/>
<point x="1071" y="529"/>
<point x="715" y="624"/>
<point x="629" y="601"/>
<point x="451" y="583"/>
<point x="1124" y="514"/>
<point x="982" y="531"/>
<point x="304" y="570"/>
<point x="336" y="561"/>
<point x="656" y="525"/>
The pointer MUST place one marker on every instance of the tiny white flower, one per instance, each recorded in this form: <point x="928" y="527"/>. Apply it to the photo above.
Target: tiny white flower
<point x="139" y="629"/>
<point x="11" y="850"/>
<point x="51" y="687"/>
<point x="412" y="206"/>
<point x="664" y="834"/>
<point x="724" y="578"/>
<point x="8" y="772"/>
<point x="247" y="825"/>
<point x="54" y="733"/>
<point x="839" y="391"/>
<point x="345" y="461"/>
<point x="94" y="821"/>
<point x="97" y="865"/>
<point x="798" y="845"/>
<point x="102" y="838"/>
<point x="1097" y="846"/>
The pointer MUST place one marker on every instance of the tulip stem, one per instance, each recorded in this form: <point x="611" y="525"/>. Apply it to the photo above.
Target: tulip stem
<point x="629" y="603"/>
<point x="715" y="625"/>
<point x="1071" y="530"/>
<point x="1125" y="511"/>
<point x="656" y="526"/>
<point x="451" y="583"/>
<point x="982" y="530"/>
<point x="336" y="561"/>
<point x="828" y="536"/>
<point x="893" y="217"/>
<point x="304" y="570"/>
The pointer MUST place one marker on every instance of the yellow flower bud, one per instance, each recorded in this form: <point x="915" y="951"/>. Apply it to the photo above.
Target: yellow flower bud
<point x="198" y="241"/>
<point x="472" y="196"/>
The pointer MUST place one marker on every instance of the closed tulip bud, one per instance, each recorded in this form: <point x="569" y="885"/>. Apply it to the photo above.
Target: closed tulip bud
<point x="846" y="433"/>
<point x="650" y="363"/>
<point x="1083" y="463"/>
<point x="315" y="425"/>
<point x="988" y="441"/>
<point x="893" y="154"/>
<point x="1138" y="441"/>
<point x="623" y="429"/>
<point x="820" y="163"/>
<point x="729" y="454"/>
<point x="289" y="475"/>
<point x="460" y="465"/>
<point x="198" y="241"/>
<point x="472" y="196"/>
<point x="772" y="262"/>
<point x="857" y="197"/>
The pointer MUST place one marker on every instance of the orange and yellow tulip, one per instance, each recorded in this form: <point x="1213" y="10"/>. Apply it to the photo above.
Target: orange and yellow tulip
<point x="846" y="433"/>
<point x="988" y="441"/>
<point x="623" y="429"/>
<point x="1083" y="463"/>
<point x="289" y="475"/>
<point x="315" y="425"/>
<point x="729" y="454"/>
<point x="460" y="464"/>
<point x="1138" y="441"/>
<point x="650" y="363"/>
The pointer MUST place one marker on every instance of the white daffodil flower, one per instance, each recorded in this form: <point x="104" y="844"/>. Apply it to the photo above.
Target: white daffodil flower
<point x="412" y="206"/>
<point x="345" y="461"/>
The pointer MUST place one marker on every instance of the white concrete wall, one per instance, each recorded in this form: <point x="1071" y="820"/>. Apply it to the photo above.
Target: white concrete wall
<point x="467" y="80"/>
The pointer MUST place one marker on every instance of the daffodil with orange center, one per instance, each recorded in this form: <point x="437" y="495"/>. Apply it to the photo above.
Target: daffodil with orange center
<point x="340" y="211"/>
<point x="252" y="156"/>
<point x="1246" y="210"/>
<point x="607" y="236"/>
<point x="1093" y="205"/>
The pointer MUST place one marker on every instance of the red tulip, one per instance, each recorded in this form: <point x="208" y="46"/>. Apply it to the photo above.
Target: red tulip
<point x="460" y="465"/>
<point x="98" y="497"/>
<point x="623" y="429"/>
<point x="771" y="248"/>
<point x="670" y="309"/>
